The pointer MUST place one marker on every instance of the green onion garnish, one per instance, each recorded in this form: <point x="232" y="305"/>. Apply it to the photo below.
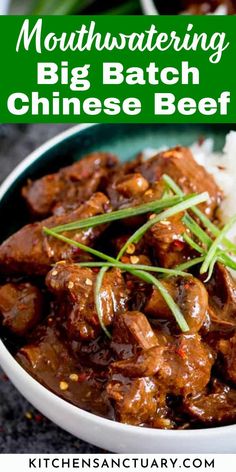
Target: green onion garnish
<point x="146" y="268"/>
<point x="215" y="245"/>
<point x="154" y="206"/>
<point x="226" y="260"/>
<point x="81" y="246"/>
<point x="205" y="239"/>
<point x="167" y="297"/>
<point x="192" y="243"/>
<point x="138" y="273"/>
<point x="211" y="267"/>
<point x="202" y="217"/>
<point x="188" y="202"/>
<point x="98" y="302"/>
<point x="197" y="230"/>
<point x="188" y="264"/>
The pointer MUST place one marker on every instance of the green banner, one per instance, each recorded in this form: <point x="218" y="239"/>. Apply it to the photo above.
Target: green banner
<point x="118" y="69"/>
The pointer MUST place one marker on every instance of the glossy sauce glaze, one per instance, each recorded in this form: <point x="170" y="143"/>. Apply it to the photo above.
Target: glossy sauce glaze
<point x="148" y="372"/>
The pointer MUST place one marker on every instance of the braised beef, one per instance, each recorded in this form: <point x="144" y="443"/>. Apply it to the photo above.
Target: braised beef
<point x="135" y="399"/>
<point x="131" y="331"/>
<point x="222" y="302"/>
<point x="77" y="285"/>
<point x="31" y="251"/>
<point x="183" y="365"/>
<point x="21" y="307"/>
<point x="228" y="349"/>
<point x="165" y="239"/>
<point x="188" y="293"/>
<point x="180" y="165"/>
<point x="130" y="360"/>
<point x="215" y="407"/>
<point x="70" y="186"/>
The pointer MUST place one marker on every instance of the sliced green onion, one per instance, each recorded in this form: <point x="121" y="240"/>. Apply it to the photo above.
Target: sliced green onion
<point x="196" y="230"/>
<point x="227" y="261"/>
<point x="98" y="302"/>
<point x="202" y="217"/>
<point x="111" y="261"/>
<point x="215" y="231"/>
<point x="192" y="243"/>
<point x="138" y="273"/>
<point x="187" y="203"/>
<point x="154" y="206"/>
<point x="120" y="265"/>
<point x="167" y="297"/>
<point x="172" y="185"/>
<point x="214" y="247"/>
<point x="81" y="246"/>
<point x="211" y="268"/>
<point x="188" y="264"/>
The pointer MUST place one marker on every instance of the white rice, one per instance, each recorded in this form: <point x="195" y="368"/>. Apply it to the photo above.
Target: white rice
<point x="222" y="165"/>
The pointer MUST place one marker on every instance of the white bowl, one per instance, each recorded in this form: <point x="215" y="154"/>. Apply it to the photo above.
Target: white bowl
<point x="104" y="433"/>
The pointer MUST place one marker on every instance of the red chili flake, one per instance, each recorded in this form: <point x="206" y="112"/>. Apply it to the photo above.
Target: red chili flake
<point x="181" y="352"/>
<point x="125" y="260"/>
<point x="179" y="245"/>
<point x="187" y="286"/>
<point x="129" y="284"/>
<point x="38" y="418"/>
<point x="83" y="376"/>
<point x="96" y="270"/>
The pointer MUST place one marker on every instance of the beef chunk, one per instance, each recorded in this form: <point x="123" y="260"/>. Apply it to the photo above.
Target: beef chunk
<point x="183" y="366"/>
<point x="165" y="239"/>
<point x="132" y="189"/>
<point x="70" y="186"/>
<point x="145" y="364"/>
<point x="124" y="188"/>
<point x="188" y="293"/>
<point x="132" y="331"/>
<point x="31" y="251"/>
<point x="20" y="307"/>
<point x="228" y="349"/>
<point x="180" y="165"/>
<point x="214" y="407"/>
<point x="222" y="297"/>
<point x="187" y="365"/>
<point x="135" y="400"/>
<point x="132" y="185"/>
<point x="77" y="284"/>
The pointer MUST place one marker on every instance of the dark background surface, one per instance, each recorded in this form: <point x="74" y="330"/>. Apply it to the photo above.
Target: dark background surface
<point x="22" y="428"/>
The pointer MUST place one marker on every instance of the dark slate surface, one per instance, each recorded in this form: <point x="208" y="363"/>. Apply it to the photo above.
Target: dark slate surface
<point x="18" y="433"/>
